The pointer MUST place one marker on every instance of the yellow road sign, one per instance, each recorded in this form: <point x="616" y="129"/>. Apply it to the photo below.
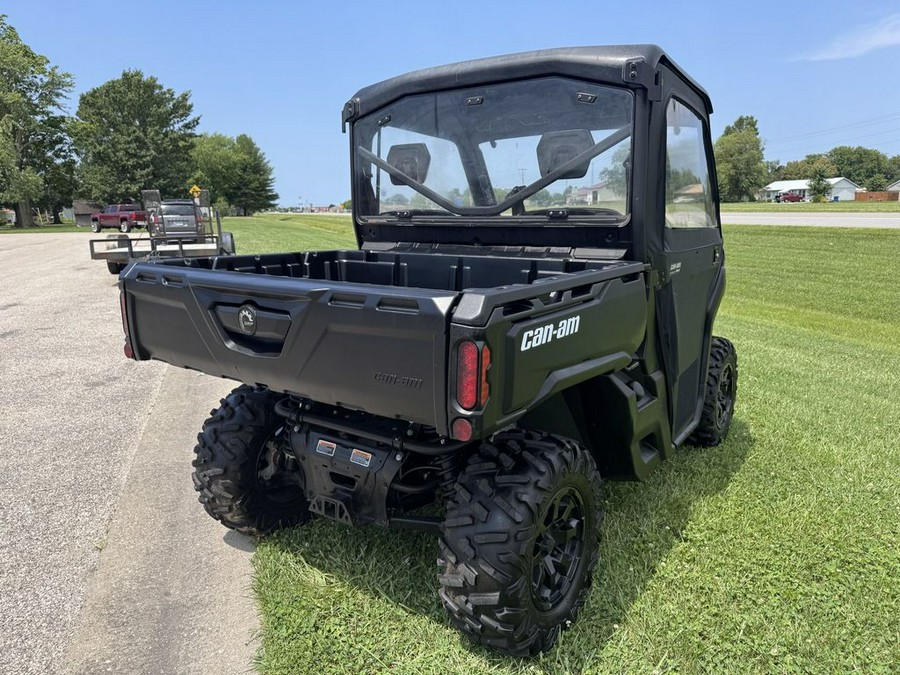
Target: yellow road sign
<point x="195" y="191"/>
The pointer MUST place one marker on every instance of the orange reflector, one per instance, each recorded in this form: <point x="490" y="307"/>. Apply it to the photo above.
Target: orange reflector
<point x="467" y="376"/>
<point x="461" y="429"/>
<point x="485" y="365"/>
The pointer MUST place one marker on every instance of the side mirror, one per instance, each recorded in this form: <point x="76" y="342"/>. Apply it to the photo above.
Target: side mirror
<point x="413" y="159"/>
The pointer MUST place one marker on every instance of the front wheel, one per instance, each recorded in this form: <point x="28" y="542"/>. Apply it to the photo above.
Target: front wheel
<point x="95" y="226"/>
<point x="246" y="478"/>
<point x="520" y="541"/>
<point x="720" y="394"/>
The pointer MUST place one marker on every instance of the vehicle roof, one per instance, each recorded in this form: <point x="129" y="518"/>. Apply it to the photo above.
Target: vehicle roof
<point x="176" y="201"/>
<point x="599" y="63"/>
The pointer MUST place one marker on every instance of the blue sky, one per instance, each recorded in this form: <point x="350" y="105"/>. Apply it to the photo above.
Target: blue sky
<point x="815" y="74"/>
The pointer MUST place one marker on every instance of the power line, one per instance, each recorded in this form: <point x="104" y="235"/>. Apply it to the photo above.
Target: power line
<point x="804" y="146"/>
<point x="853" y="125"/>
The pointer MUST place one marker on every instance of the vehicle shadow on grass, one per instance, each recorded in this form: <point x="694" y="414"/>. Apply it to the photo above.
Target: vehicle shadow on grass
<point x="643" y="522"/>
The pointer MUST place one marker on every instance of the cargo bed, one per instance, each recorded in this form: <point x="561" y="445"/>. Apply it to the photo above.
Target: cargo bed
<point x="375" y="331"/>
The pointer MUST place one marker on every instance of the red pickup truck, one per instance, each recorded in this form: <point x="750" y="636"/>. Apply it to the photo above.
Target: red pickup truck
<point x="123" y="217"/>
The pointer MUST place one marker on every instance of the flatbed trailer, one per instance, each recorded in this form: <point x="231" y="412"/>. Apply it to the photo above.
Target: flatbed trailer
<point x="119" y="250"/>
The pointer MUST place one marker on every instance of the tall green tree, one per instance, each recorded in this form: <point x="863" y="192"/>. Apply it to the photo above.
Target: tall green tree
<point x="33" y="136"/>
<point x="739" y="160"/>
<point x="254" y="188"/>
<point x="131" y="134"/>
<point x="818" y="186"/>
<point x="217" y="162"/>
<point x="864" y="166"/>
<point x="801" y="169"/>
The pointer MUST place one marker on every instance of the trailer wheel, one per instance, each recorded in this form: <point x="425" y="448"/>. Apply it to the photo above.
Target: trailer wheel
<point x="125" y="227"/>
<point x="245" y="478"/>
<point x="721" y="391"/>
<point x="95" y="226"/>
<point x="520" y="541"/>
<point x="114" y="267"/>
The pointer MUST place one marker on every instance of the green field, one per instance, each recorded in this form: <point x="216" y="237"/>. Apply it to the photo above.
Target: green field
<point x="810" y="207"/>
<point x="776" y="552"/>
<point x="284" y="232"/>
<point x="9" y="229"/>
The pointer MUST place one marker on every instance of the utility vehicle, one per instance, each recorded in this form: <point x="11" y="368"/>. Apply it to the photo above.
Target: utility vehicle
<point x="530" y="307"/>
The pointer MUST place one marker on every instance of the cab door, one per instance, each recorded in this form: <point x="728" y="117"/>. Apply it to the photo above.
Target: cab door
<point x="692" y="274"/>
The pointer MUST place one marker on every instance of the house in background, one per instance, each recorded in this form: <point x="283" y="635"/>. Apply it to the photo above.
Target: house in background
<point x="595" y="194"/>
<point x="893" y="187"/>
<point x="842" y="189"/>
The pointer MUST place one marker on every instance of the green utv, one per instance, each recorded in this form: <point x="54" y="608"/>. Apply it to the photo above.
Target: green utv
<point x="530" y="308"/>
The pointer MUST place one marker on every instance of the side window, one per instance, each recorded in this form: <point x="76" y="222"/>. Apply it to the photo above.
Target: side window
<point x="689" y="201"/>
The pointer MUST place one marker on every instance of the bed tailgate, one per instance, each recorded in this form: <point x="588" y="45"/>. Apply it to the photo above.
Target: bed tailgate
<point x="366" y="347"/>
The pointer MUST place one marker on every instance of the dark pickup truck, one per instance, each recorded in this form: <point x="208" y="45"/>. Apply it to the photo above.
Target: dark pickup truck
<point x="531" y="306"/>
<point x="123" y="217"/>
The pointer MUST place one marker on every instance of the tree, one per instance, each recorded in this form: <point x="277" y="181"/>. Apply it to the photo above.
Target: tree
<point x="774" y="170"/>
<point x="217" y="162"/>
<point x="254" y="187"/>
<point x="818" y="186"/>
<point x="893" y="173"/>
<point x="132" y="134"/>
<point x="32" y="121"/>
<point x="801" y="169"/>
<point x="739" y="160"/>
<point x="859" y="164"/>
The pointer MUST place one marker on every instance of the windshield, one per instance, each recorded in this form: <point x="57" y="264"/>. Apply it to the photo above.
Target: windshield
<point x="177" y="210"/>
<point x="550" y="146"/>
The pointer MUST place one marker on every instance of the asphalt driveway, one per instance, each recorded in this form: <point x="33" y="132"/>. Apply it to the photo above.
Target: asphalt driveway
<point x="109" y="564"/>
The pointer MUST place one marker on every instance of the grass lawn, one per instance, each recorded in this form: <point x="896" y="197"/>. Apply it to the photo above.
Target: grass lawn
<point x="776" y="552"/>
<point x="810" y="207"/>
<point x="288" y="232"/>
<point x="9" y="229"/>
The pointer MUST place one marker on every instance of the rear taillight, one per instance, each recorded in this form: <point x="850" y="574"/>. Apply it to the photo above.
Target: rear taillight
<point x="129" y="352"/>
<point x="467" y="375"/>
<point x="471" y="375"/>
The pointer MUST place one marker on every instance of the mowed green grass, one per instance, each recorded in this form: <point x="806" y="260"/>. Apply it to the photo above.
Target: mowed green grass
<point x="9" y="229"/>
<point x="269" y="233"/>
<point x="775" y="552"/>
<point x="811" y="207"/>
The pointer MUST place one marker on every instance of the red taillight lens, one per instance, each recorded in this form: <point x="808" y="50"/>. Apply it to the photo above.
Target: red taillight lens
<point x="485" y="392"/>
<point x="467" y="375"/>
<point x="461" y="429"/>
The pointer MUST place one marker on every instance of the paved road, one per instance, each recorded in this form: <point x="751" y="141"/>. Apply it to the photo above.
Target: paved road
<point x="876" y="220"/>
<point x="108" y="564"/>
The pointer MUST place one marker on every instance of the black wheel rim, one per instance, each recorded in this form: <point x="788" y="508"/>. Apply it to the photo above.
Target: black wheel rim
<point x="558" y="549"/>
<point x="274" y="478"/>
<point x="725" y="396"/>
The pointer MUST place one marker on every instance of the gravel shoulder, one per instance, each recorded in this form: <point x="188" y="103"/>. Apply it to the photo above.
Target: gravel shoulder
<point x="74" y="412"/>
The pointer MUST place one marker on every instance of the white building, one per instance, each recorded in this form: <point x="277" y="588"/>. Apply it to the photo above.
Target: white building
<point x="842" y="189"/>
<point x="894" y="187"/>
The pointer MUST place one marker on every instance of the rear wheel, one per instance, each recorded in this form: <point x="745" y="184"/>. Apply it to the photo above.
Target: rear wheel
<point x="114" y="267"/>
<point x="125" y="227"/>
<point x="246" y="479"/>
<point x="721" y="391"/>
<point x="520" y="541"/>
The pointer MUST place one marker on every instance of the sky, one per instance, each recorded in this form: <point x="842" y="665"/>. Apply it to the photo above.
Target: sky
<point x="814" y="74"/>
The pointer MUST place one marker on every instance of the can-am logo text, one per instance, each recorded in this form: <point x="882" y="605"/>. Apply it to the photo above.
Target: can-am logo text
<point x="541" y="336"/>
